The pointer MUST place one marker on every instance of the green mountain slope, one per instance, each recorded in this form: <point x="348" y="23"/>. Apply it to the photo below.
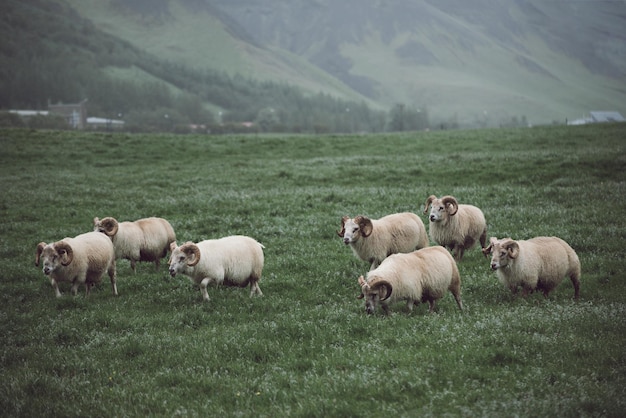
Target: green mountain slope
<point x="479" y="61"/>
<point x="198" y="36"/>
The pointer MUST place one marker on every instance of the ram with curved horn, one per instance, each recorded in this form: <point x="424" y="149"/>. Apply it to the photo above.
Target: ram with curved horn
<point x="81" y="260"/>
<point x="539" y="263"/>
<point x="229" y="261"/>
<point x="372" y="240"/>
<point x="455" y="226"/>
<point x="420" y="276"/>
<point x="142" y="240"/>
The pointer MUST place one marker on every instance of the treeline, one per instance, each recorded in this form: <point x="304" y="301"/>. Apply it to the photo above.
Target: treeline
<point x="49" y="54"/>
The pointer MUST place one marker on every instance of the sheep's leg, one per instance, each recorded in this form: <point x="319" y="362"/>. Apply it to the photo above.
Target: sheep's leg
<point x="75" y="287"/>
<point x="457" y="296"/>
<point x="410" y="303"/>
<point x="133" y="265"/>
<point x="113" y="276"/>
<point x="87" y="288"/>
<point x="55" y="286"/>
<point x="432" y="303"/>
<point x="203" y="284"/>
<point x="156" y="264"/>
<point x="459" y="250"/>
<point x="483" y="238"/>
<point x="576" y="282"/>
<point x="254" y="287"/>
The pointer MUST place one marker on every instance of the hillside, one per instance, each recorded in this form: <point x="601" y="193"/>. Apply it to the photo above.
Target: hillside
<point x="50" y="54"/>
<point x="480" y="62"/>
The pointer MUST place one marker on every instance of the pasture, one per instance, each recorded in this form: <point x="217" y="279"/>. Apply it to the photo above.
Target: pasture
<point x="307" y="347"/>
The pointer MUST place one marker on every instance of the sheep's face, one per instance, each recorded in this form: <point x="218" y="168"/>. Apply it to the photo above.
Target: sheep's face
<point x="178" y="262"/>
<point x="437" y="211"/>
<point x="50" y="259"/>
<point x="500" y="255"/>
<point x="351" y="232"/>
<point x="374" y="295"/>
<point x="371" y="301"/>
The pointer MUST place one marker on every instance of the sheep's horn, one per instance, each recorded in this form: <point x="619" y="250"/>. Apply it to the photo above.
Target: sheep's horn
<point x="488" y="249"/>
<point x="63" y="247"/>
<point x="343" y="226"/>
<point x="449" y="200"/>
<point x="386" y="285"/>
<point x="40" y="248"/>
<point x="191" y="248"/>
<point x="428" y="202"/>
<point x="513" y="249"/>
<point x="365" y="224"/>
<point x="110" y="226"/>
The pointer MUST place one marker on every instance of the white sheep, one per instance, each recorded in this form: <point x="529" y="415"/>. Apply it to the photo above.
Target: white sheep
<point x="80" y="260"/>
<point x="539" y="263"/>
<point x="373" y="240"/>
<point x="230" y="261"/>
<point x="457" y="227"/>
<point x="421" y="276"/>
<point x="142" y="240"/>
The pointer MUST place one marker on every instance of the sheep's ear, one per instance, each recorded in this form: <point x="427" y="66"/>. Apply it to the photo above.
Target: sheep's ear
<point x="366" y="226"/>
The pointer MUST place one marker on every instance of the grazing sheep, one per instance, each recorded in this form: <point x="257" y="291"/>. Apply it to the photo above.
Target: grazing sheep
<point x="536" y="264"/>
<point x="420" y="276"/>
<point x="457" y="227"/>
<point x="80" y="260"/>
<point x="230" y="261"/>
<point x="374" y="240"/>
<point x="142" y="240"/>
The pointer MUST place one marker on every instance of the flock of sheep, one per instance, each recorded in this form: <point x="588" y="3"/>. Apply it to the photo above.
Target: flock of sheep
<point x="402" y="265"/>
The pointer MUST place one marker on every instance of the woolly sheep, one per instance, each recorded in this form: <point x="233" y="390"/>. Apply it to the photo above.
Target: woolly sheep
<point x="457" y="227"/>
<point x="420" y="276"/>
<point x="539" y="263"/>
<point x="230" y="261"/>
<point x="80" y="260"/>
<point x="142" y="240"/>
<point x="373" y="240"/>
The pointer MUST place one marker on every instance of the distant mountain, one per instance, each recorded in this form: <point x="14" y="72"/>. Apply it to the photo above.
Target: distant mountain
<point x="472" y="62"/>
<point x="473" y="58"/>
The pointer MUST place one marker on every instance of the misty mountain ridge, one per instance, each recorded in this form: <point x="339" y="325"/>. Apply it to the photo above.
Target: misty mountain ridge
<point x="479" y="62"/>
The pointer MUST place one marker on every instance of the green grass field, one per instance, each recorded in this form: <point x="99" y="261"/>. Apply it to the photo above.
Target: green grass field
<point x="307" y="348"/>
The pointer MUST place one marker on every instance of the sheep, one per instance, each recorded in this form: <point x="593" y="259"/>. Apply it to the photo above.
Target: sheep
<point x="79" y="260"/>
<point x="231" y="261"/>
<point x="142" y="240"/>
<point x="419" y="276"/>
<point x="373" y="240"/>
<point x="457" y="227"/>
<point x="539" y="263"/>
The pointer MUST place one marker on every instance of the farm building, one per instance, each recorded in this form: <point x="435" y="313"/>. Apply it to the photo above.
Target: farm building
<point x="598" y="117"/>
<point x="74" y="114"/>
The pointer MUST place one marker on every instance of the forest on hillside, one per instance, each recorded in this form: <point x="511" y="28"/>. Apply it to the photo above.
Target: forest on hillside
<point x="50" y="54"/>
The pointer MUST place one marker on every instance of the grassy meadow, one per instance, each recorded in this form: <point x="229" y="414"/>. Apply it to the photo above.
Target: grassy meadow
<point x="307" y="347"/>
